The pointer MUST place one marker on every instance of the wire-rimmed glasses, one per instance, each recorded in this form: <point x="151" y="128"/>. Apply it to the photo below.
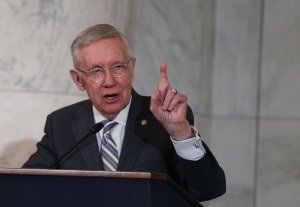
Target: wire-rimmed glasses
<point x="97" y="74"/>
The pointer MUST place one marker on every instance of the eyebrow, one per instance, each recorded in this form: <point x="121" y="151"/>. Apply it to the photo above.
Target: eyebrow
<point x="94" y="67"/>
<point x="99" y="66"/>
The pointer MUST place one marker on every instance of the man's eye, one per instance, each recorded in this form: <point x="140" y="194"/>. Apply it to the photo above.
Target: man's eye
<point x="118" y="67"/>
<point x="96" y="70"/>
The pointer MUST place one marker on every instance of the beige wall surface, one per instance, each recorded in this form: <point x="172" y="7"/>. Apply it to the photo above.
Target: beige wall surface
<point x="238" y="62"/>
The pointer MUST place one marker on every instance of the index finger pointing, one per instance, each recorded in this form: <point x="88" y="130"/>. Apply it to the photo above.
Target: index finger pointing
<point x="163" y="72"/>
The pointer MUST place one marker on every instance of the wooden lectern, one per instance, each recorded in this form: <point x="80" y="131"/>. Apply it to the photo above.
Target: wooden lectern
<point x="72" y="188"/>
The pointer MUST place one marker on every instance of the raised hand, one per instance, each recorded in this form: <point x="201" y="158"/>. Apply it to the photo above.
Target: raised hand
<point x="170" y="107"/>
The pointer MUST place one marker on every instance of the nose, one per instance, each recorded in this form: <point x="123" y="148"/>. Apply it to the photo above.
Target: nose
<point x="108" y="80"/>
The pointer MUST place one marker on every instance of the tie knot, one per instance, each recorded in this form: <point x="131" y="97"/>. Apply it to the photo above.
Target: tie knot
<point x="108" y="126"/>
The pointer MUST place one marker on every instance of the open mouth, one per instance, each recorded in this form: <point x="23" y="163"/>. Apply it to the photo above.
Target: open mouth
<point x="111" y="97"/>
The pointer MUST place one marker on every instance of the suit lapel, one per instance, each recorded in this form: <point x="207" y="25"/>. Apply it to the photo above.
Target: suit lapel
<point x="89" y="148"/>
<point x="138" y="124"/>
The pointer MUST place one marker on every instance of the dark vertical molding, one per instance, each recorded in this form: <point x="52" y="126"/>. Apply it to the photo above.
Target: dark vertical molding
<point x="207" y="65"/>
<point x="258" y="104"/>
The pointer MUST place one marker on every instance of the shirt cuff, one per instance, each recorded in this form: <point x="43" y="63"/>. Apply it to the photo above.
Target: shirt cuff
<point x="190" y="149"/>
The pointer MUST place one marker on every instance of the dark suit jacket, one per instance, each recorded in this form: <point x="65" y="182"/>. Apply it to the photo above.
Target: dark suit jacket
<point x="145" y="148"/>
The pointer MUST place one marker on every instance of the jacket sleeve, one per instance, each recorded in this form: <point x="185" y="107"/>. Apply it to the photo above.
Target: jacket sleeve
<point x="204" y="178"/>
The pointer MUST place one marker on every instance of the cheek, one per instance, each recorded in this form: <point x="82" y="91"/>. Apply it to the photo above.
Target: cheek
<point x="130" y="77"/>
<point x="126" y="81"/>
<point x="94" y="92"/>
<point x="127" y="85"/>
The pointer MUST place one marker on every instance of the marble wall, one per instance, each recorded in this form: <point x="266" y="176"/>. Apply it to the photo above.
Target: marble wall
<point x="35" y="37"/>
<point x="278" y="160"/>
<point x="255" y="114"/>
<point x="236" y="60"/>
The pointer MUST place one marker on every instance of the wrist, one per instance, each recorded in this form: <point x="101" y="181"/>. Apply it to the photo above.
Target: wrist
<point x="182" y="132"/>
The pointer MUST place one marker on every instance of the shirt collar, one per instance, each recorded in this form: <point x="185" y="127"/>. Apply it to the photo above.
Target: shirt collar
<point x="121" y="118"/>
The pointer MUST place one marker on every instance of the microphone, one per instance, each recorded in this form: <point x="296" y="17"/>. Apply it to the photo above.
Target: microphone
<point x="96" y="128"/>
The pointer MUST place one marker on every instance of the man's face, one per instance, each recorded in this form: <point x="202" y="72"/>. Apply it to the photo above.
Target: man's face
<point x="110" y="95"/>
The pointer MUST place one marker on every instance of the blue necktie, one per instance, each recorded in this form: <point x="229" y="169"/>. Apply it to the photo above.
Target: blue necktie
<point x="109" y="149"/>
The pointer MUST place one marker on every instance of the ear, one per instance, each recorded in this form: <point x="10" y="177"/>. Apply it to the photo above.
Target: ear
<point x="77" y="80"/>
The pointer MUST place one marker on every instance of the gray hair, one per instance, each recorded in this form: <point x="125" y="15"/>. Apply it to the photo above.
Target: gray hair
<point x="93" y="34"/>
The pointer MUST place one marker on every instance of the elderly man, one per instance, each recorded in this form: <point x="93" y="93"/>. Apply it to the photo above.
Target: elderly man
<point x="140" y="133"/>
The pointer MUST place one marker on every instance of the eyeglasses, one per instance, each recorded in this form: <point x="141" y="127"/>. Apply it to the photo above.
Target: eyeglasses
<point x="98" y="74"/>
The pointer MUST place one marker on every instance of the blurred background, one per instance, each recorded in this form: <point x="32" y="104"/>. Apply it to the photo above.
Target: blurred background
<point x="238" y="62"/>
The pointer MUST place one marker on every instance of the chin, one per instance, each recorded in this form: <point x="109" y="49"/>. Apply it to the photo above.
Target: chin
<point x="113" y="109"/>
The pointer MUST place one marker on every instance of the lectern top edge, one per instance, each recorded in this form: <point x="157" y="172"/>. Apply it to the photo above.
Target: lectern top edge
<point x="83" y="173"/>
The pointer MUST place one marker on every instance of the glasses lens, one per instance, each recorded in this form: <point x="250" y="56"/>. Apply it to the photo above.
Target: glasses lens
<point x="118" y="70"/>
<point x="96" y="76"/>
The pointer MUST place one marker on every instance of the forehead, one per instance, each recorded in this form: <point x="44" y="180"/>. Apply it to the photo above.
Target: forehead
<point x="104" y="50"/>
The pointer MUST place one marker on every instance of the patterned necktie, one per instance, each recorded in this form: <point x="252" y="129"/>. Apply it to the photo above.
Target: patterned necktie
<point x="109" y="149"/>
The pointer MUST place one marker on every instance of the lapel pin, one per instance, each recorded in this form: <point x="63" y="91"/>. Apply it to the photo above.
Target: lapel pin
<point x="143" y="122"/>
